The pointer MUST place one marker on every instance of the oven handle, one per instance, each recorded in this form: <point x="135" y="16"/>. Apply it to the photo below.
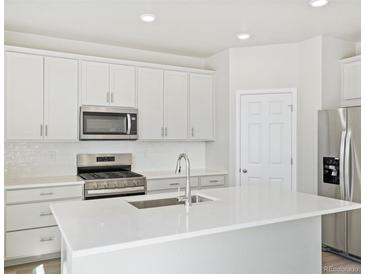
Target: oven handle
<point x="129" y="126"/>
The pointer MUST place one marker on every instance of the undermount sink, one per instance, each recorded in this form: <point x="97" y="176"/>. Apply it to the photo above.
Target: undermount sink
<point x="167" y="202"/>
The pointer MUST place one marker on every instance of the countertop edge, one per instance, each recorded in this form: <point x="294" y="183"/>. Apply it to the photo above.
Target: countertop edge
<point x="163" y="239"/>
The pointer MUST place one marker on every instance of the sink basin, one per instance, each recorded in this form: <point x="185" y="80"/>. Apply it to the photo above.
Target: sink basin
<point x="167" y="202"/>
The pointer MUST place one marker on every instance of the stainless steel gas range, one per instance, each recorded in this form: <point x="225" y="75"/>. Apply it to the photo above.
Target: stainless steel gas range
<point x="109" y="175"/>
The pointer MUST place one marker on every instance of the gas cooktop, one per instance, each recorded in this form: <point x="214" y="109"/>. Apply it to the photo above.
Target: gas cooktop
<point x="109" y="175"/>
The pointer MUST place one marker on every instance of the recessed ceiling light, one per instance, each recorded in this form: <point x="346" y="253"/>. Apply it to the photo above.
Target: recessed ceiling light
<point x="148" y="18"/>
<point x="318" y="3"/>
<point x="243" y="36"/>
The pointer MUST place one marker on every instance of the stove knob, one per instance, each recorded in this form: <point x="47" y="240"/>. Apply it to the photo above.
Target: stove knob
<point x="95" y="186"/>
<point x="113" y="185"/>
<point x="105" y="185"/>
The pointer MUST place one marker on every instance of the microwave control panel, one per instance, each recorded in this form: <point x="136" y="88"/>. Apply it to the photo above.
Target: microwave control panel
<point x="331" y="170"/>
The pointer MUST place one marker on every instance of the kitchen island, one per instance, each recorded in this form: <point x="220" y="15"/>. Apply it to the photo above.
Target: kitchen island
<point x="256" y="228"/>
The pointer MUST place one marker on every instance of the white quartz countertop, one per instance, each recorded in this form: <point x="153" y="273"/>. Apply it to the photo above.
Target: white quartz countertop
<point x="165" y="174"/>
<point x="96" y="226"/>
<point x="19" y="183"/>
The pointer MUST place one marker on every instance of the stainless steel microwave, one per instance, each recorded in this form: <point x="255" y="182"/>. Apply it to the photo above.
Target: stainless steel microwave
<point x="108" y="123"/>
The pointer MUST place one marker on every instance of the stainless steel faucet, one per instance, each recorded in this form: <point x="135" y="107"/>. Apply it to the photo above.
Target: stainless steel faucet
<point x="187" y="196"/>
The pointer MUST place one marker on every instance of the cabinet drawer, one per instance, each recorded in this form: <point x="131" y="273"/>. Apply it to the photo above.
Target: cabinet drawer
<point x="25" y="216"/>
<point x="32" y="242"/>
<point x="172" y="183"/>
<point x="211" y="181"/>
<point x="41" y="194"/>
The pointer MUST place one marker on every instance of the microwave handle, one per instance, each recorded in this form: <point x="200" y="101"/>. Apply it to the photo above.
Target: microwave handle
<point x="129" y="125"/>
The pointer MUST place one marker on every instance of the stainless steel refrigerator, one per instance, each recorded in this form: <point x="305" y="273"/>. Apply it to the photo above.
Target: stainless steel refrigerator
<point x="339" y="161"/>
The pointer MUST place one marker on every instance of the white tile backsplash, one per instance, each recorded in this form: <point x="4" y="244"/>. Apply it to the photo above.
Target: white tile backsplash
<point x="28" y="159"/>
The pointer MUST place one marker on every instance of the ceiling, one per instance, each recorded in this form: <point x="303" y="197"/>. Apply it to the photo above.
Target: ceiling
<point x="189" y="27"/>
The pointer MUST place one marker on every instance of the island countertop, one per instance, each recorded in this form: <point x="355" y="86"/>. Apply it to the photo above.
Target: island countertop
<point x="97" y="226"/>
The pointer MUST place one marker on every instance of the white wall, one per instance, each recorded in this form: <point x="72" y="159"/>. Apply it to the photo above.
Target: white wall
<point x="217" y="152"/>
<point x="309" y="102"/>
<point x="270" y="66"/>
<point x="79" y="47"/>
<point x="311" y="66"/>
<point x="26" y="159"/>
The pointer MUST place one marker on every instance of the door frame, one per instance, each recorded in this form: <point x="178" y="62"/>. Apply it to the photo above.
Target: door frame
<point x="293" y="92"/>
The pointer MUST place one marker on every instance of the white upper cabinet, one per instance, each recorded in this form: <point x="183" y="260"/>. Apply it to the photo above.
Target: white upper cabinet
<point x="41" y="97"/>
<point x="351" y="81"/>
<point x="201" y="107"/>
<point x="60" y="96"/>
<point x="24" y="96"/>
<point x="95" y="83"/>
<point x="45" y="89"/>
<point x="175" y="105"/>
<point x="108" y="84"/>
<point x="150" y="103"/>
<point x="122" y="86"/>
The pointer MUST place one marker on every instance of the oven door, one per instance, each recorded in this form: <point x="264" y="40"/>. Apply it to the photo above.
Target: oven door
<point x="108" y="123"/>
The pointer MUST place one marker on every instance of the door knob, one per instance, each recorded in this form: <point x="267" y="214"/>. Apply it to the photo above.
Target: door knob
<point x="244" y="170"/>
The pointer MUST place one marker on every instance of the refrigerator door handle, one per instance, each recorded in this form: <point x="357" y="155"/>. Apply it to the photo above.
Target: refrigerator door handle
<point x="348" y="167"/>
<point x="342" y="165"/>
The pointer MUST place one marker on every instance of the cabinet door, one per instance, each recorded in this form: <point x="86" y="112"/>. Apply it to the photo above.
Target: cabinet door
<point x="24" y="96"/>
<point x="123" y="86"/>
<point x="201" y="106"/>
<point x="150" y="103"/>
<point x="95" y="83"/>
<point x="176" y="105"/>
<point x="61" y="85"/>
<point x="351" y="83"/>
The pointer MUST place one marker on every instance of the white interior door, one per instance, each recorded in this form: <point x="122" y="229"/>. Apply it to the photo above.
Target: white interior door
<point x="201" y="106"/>
<point x="61" y="86"/>
<point x="176" y="104"/>
<point x="95" y="83"/>
<point x="150" y="103"/>
<point x="123" y="86"/>
<point x="24" y="96"/>
<point x="266" y="138"/>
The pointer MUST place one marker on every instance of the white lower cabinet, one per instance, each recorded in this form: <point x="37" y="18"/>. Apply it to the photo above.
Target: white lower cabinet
<point x="169" y="184"/>
<point x="211" y="181"/>
<point x="42" y="194"/>
<point x="30" y="228"/>
<point x="32" y="242"/>
<point x="25" y="216"/>
<point x="172" y="184"/>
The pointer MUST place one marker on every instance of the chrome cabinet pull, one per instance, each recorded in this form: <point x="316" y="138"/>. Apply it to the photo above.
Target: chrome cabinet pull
<point x="112" y="97"/>
<point x="46" y="239"/>
<point x="43" y="214"/>
<point x="46" y="130"/>
<point x="46" y="193"/>
<point x="162" y="132"/>
<point x="192" y="132"/>
<point x="41" y="130"/>
<point x="107" y="97"/>
<point x="213" y="181"/>
<point x="174" y="184"/>
<point x="165" y="131"/>
<point x="244" y="170"/>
